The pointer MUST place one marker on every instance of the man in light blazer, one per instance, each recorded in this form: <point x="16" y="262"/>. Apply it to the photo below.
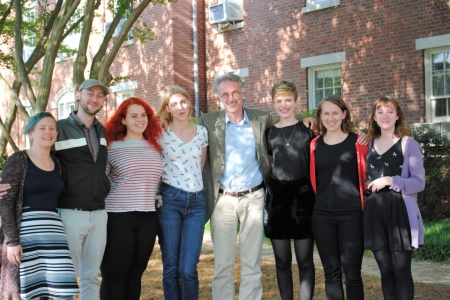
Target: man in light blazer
<point x="235" y="170"/>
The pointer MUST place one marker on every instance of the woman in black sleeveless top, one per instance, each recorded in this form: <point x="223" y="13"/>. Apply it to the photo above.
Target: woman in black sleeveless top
<point x="289" y="197"/>
<point x="387" y="229"/>
<point x="337" y="176"/>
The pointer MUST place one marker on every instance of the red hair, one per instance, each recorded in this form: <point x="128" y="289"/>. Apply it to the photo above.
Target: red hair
<point x="116" y="131"/>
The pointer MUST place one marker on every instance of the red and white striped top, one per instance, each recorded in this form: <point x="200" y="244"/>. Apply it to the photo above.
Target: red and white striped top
<point x="134" y="169"/>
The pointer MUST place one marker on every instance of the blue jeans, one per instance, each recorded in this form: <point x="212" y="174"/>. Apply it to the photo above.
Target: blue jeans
<point x="181" y="222"/>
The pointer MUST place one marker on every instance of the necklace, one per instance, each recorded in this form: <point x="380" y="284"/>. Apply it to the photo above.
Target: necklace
<point x="287" y="141"/>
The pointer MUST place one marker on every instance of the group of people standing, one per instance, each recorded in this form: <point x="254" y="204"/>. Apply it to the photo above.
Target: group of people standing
<point x="98" y="197"/>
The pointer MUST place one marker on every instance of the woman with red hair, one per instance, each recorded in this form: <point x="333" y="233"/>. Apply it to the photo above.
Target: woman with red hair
<point x="134" y="169"/>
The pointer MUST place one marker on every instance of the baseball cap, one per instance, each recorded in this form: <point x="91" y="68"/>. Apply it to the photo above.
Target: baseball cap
<point x="93" y="82"/>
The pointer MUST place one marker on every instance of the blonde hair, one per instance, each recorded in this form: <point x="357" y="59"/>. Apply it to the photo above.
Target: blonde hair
<point x="162" y="112"/>
<point x="346" y="125"/>
<point x="283" y="88"/>
<point x="401" y="127"/>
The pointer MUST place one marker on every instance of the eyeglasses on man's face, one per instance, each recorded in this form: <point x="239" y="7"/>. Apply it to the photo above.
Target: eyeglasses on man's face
<point x="226" y="96"/>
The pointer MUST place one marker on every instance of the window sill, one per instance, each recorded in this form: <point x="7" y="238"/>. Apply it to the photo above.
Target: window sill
<point x="319" y="6"/>
<point x="128" y="42"/>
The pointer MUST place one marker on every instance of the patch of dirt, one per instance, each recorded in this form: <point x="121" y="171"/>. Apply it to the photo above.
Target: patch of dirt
<point x="432" y="280"/>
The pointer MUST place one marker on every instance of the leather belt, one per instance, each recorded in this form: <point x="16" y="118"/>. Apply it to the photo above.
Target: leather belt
<point x="83" y="209"/>
<point x="240" y="193"/>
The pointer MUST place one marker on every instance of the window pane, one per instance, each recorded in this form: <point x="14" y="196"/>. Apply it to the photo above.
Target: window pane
<point x="447" y="84"/>
<point x="438" y="85"/>
<point x="447" y="61"/>
<point x="438" y="62"/>
<point x="441" y="108"/>
<point x="337" y="80"/>
<point x="319" y="79"/>
<point x="328" y="78"/>
<point x="319" y="96"/>
<point x="328" y="92"/>
<point x="337" y="91"/>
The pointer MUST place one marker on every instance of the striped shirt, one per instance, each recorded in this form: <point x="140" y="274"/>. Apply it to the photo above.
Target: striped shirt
<point x="134" y="169"/>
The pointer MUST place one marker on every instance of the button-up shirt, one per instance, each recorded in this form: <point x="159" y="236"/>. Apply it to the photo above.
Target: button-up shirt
<point x="241" y="170"/>
<point x="90" y="133"/>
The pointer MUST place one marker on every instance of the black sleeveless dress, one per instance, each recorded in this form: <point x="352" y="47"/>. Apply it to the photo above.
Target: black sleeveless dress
<point x="289" y="200"/>
<point x="386" y="223"/>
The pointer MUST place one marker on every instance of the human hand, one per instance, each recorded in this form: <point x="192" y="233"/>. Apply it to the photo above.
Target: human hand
<point x="310" y="122"/>
<point x="3" y="189"/>
<point x="164" y="123"/>
<point x="362" y="138"/>
<point x="380" y="183"/>
<point x="14" y="254"/>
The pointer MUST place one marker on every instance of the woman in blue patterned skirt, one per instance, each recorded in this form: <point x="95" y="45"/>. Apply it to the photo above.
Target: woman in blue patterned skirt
<point x="36" y="260"/>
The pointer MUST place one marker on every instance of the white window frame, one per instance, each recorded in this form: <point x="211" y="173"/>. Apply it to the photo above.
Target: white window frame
<point x="321" y="62"/>
<point x="243" y="73"/>
<point x="432" y="45"/>
<point x="27" y="49"/>
<point x="313" y="102"/>
<point x="122" y="96"/>
<point x="430" y="99"/>
<point x="124" y="90"/>
<point x="67" y="101"/>
<point x="314" y="5"/>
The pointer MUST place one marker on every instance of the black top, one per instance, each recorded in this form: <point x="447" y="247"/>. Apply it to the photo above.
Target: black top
<point x="388" y="164"/>
<point x="337" y="175"/>
<point x="290" y="162"/>
<point x="42" y="188"/>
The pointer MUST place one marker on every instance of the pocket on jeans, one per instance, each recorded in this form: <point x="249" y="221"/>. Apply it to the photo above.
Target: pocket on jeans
<point x="201" y="198"/>
<point x="168" y="195"/>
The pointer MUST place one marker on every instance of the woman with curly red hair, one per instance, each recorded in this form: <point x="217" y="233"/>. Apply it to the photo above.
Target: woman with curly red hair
<point x="134" y="169"/>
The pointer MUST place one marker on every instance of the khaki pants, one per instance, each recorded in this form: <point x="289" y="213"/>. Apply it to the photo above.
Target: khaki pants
<point x="248" y="211"/>
<point x="86" y="236"/>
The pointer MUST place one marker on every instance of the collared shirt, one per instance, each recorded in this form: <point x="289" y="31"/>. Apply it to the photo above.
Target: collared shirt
<point x="241" y="170"/>
<point x="90" y="133"/>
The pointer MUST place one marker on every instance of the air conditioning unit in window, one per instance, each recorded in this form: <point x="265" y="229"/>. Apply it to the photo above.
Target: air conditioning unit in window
<point x="229" y="11"/>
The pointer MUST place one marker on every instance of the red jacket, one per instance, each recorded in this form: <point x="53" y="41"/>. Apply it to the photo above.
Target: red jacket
<point x="361" y="152"/>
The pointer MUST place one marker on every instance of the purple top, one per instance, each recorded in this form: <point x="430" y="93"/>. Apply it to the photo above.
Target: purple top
<point x="411" y="182"/>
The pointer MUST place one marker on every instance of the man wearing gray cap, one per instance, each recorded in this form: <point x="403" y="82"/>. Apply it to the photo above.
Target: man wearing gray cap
<point x="81" y="149"/>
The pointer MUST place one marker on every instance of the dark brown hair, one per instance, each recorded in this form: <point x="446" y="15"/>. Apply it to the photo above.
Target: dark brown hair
<point x="346" y="125"/>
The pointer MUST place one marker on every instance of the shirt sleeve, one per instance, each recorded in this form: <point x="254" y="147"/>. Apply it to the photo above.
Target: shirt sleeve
<point x="12" y="174"/>
<point x="414" y="182"/>
<point x="204" y="139"/>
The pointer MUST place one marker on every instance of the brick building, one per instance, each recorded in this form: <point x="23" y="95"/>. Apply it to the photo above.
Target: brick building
<point x="357" y="48"/>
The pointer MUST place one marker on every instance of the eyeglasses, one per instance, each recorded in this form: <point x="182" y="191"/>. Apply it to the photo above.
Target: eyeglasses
<point x="226" y="96"/>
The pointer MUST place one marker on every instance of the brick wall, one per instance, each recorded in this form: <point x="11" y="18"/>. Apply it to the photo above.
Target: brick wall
<point x="155" y="65"/>
<point x="377" y="36"/>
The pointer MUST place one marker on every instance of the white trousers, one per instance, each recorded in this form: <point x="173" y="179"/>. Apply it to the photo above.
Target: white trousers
<point x="86" y="236"/>
<point x="228" y="212"/>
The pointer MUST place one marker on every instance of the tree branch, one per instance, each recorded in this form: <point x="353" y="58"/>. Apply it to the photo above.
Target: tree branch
<point x="5" y="15"/>
<point x="18" y="56"/>
<point x="8" y="135"/>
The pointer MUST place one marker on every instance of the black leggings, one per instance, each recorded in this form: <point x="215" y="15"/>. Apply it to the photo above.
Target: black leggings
<point x="396" y="277"/>
<point x="130" y="241"/>
<point x="283" y="258"/>
<point x="339" y="240"/>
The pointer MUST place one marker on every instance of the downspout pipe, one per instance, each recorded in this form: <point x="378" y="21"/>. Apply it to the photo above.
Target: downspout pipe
<point x="195" y="41"/>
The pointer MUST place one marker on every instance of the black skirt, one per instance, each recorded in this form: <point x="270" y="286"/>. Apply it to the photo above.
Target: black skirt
<point x="288" y="208"/>
<point x="386" y="222"/>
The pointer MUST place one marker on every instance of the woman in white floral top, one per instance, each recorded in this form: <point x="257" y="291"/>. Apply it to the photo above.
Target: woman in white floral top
<point x="181" y="206"/>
